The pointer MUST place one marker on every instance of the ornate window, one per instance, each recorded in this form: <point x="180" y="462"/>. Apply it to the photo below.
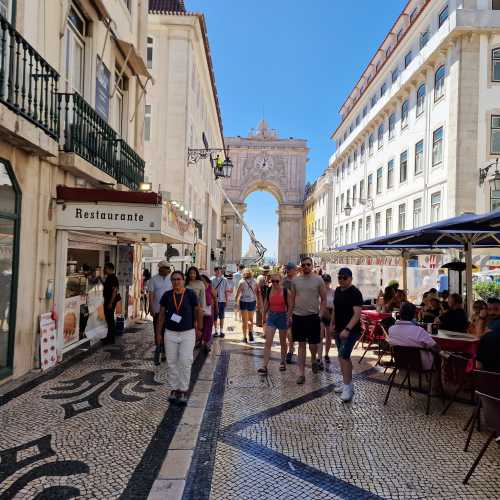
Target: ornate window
<point x="420" y="99"/>
<point x="439" y="83"/>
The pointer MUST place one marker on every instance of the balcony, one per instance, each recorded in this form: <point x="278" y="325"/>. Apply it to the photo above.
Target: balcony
<point x="87" y="134"/>
<point x="28" y="84"/>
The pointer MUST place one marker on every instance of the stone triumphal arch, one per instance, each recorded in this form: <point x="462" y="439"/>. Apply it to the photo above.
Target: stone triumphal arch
<point x="265" y="162"/>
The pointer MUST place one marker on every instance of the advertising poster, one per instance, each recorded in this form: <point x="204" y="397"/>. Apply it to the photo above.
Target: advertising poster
<point x="71" y="319"/>
<point x="48" y="341"/>
<point x="96" y="323"/>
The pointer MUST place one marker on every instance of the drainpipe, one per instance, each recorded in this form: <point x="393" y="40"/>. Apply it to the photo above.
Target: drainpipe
<point x="13" y="14"/>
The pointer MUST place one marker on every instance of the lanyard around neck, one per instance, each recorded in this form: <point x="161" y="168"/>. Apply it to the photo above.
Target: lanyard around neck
<point x="178" y="307"/>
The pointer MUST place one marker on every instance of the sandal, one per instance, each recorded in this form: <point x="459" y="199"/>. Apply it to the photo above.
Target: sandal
<point x="282" y="367"/>
<point x="262" y="371"/>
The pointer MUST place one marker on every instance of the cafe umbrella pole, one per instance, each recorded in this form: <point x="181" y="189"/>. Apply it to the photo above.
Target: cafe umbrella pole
<point x="468" y="274"/>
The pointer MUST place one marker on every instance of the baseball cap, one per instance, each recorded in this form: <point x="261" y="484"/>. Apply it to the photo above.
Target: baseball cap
<point x="290" y="266"/>
<point x="345" y="271"/>
<point x="163" y="263"/>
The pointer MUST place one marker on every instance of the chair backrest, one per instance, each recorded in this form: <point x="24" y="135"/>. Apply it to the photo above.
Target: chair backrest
<point x="490" y="407"/>
<point x="487" y="382"/>
<point x="407" y="358"/>
<point x="456" y="367"/>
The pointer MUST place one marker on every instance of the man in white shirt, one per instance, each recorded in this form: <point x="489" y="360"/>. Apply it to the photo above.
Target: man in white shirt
<point x="220" y="284"/>
<point x="157" y="286"/>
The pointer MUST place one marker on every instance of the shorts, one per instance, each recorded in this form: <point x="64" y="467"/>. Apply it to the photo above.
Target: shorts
<point x="306" y="329"/>
<point x="346" y="346"/>
<point x="278" y="320"/>
<point x="222" y="310"/>
<point x="248" y="306"/>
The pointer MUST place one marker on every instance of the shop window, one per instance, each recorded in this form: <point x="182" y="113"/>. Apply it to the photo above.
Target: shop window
<point x="10" y="201"/>
<point x="495" y="4"/>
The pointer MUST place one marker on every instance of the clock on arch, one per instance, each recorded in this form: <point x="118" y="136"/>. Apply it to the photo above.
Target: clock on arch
<point x="264" y="163"/>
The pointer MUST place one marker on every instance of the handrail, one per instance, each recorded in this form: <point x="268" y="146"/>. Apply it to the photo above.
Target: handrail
<point x="87" y="134"/>
<point x="28" y="83"/>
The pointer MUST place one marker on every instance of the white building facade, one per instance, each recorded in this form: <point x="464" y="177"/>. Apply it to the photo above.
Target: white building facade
<point x="420" y="123"/>
<point x="318" y="228"/>
<point x="182" y="112"/>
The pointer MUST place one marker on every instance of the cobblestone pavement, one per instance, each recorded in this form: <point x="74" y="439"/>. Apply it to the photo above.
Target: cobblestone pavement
<point x="266" y="437"/>
<point x="98" y="429"/>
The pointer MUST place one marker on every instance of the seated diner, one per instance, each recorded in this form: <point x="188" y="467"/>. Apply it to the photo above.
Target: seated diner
<point x="455" y="319"/>
<point x="406" y="333"/>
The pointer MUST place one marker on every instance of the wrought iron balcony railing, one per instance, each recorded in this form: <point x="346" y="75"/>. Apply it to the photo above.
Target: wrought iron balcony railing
<point x="28" y="84"/>
<point x="87" y="134"/>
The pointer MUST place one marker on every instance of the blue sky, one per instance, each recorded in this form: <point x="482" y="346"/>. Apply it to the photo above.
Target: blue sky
<point x="296" y="61"/>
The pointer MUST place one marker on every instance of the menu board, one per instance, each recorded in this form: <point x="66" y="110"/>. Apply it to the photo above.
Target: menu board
<point x="48" y="341"/>
<point x="71" y="321"/>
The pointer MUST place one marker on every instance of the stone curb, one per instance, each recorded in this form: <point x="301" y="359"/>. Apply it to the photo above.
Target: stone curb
<point x="171" y="480"/>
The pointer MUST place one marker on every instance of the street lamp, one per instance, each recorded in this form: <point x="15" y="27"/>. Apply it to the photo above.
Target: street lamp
<point x="369" y="203"/>
<point x="222" y="169"/>
<point x="495" y="180"/>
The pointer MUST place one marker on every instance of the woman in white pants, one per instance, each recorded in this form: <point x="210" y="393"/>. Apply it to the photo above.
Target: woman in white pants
<point x="181" y="317"/>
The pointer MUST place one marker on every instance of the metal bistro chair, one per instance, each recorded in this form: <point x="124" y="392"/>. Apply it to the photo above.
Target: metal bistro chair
<point x="455" y="365"/>
<point x="385" y="348"/>
<point x="491" y="414"/>
<point x="408" y="359"/>
<point x="485" y="383"/>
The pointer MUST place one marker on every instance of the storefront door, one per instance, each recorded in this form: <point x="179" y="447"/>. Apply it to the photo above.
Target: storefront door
<point x="10" y="201"/>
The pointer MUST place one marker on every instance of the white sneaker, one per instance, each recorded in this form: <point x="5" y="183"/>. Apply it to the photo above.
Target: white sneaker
<point x="339" y="387"/>
<point x="347" y="393"/>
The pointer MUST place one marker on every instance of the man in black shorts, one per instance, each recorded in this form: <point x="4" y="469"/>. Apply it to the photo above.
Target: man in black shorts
<point x="346" y="317"/>
<point x="306" y="292"/>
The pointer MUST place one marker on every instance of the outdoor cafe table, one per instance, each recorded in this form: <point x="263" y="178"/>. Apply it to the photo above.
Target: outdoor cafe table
<point x="458" y="342"/>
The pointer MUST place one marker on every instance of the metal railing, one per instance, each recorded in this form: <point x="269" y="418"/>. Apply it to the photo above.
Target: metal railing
<point x="28" y="83"/>
<point x="87" y="134"/>
<point x="130" y="166"/>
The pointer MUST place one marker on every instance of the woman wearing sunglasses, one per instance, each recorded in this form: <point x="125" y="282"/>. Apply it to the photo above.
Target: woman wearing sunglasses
<point x="276" y="314"/>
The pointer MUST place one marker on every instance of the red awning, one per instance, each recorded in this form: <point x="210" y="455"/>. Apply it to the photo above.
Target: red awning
<point x="65" y="193"/>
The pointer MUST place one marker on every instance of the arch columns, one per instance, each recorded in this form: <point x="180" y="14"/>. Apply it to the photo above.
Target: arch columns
<point x="233" y="232"/>
<point x="290" y="221"/>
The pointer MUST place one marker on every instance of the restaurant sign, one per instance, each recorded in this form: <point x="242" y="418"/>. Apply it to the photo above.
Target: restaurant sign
<point x="109" y="217"/>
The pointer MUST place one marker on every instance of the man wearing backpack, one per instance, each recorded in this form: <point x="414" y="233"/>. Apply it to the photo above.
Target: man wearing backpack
<point x="275" y="307"/>
<point x="220" y="284"/>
